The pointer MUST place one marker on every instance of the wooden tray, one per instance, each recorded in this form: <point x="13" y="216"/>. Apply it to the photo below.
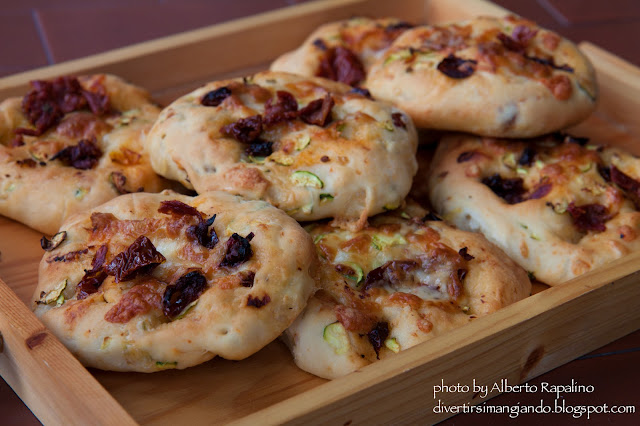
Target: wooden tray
<point x="516" y="343"/>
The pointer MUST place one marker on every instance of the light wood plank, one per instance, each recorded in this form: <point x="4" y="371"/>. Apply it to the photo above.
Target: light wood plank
<point x="55" y="386"/>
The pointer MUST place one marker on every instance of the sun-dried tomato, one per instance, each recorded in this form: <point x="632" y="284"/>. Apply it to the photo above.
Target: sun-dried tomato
<point x="519" y="39"/>
<point x="455" y="67"/>
<point x="540" y="191"/>
<point x="605" y="172"/>
<point x="341" y="64"/>
<point x="318" y="112"/>
<point x="630" y="186"/>
<point x="391" y="272"/>
<point x="247" y="278"/>
<point x="259" y="148"/>
<point x="398" y="120"/>
<point x="286" y="108"/>
<point x="215" y="97"/>
<point x="244" y="130"/>
<point x="527" y="156"/>
<point x="256" y="302"/>
<point x="378" y="335"/>
<point x="93" y="278"/>
<point x="320" y="44"/>
<point x="119" y="180"/>
<point x="85" y="155"/>
<point x="139" y="258"/>
<point x="465" y="255"/>
<point x="49" y="101"/>
<point x="589" y="217"/>
<point x="199" y="232"/>
<point x="511" y="190"/>
<point x="238" y="250"/>
<point x="182" y="293"/>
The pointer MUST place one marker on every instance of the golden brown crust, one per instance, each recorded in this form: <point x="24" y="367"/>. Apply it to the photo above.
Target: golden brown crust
<point x="132" y="322"/>
<point x="361" y="160"/>
<point x="558" y="208"/>
<point x="42" y="192"/>
<point x="415" y="278"/>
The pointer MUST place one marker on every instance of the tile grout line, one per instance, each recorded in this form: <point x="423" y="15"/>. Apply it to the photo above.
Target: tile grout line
<point x="41" y="35"/>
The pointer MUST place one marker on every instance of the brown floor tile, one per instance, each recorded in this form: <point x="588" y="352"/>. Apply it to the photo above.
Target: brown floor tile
<point x="22" y="48"/>
<point x="73" y="32"/>
<point x="590" y="11"/>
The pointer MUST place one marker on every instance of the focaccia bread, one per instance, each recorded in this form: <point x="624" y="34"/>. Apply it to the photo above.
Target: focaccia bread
<point x="502" y="77"/>
<point x="401" y="281"/>
<point x="344" y="50"/>
<point x="309" y="146"/>
<point x="72" y="144"/>
<point x="148" y="282"/>
<point x="557" y="205"/>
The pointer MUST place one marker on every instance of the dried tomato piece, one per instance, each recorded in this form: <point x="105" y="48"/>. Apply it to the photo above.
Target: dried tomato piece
<point x="511" y="190"/>
<point x="540" y="191"/>
<point x="455" y="67"/>
<point x="182" y="293"/>
<point x="48" y="101"/>
<point x="178" y="208"/>
<point x="398" y="120"/>
<point x="341" y="64"/>
<point x="139" y="258"/>
<point x="238" y="250"/>
<point x="465" y="255"/>
<point x="215" y="97"/>
<point x="247" y="278"/>
<point x="244" y="130"/>
<point x="605" y="172"/>
<point x="589" y="217"/>
<point x="201" y="233"/>
<point x="84" y="156"/>
<point x="260" y="148"/>
<point x="256" y="302"/>
<point x="391" y="272"/>
<point x="630" y="186"/>
<point x="286" y="108"/>
<point x="93" y="278"/>
<point x="318" y="112"/>
<point x="527" y="156"/>
<point x="320" y="44"/>
<point x="378" y="335"/>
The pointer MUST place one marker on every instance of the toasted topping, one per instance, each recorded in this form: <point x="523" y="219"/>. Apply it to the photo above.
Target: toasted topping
<point x="92" y="279"/>
<point x="589" y="217"/>
<point x="466" y="256"/>
<point x="630" y="186"/>
<point x="139" y="258"/>
<point x="398" y="120"/>
<point x="178" y="296"/>
<point x="511" y="190"/>
<point x="256" y="302"/>
<point x="215" y="97"/>
<point x="260" y="148"/>
<point x="238" y="250"/>
<point x="336" y="336"/>
<point x="244" y="130"/>
<point x="305" y="178"/>
<point x="540" y="191"/>
<point x="341" y="64"/>
<point x="68" y="257"/>
<point x="138" y="300"/>
<point x="378" y="335"/>
<point x="49" y="101"/>
<point x="247" y="278"/>
<point x="318" y="112"/>
<point x="285" y="109"/>
<point x="455" y="67"/>
<point x="55" y="241"/>
<point x="178" y="208"/>
<point x="199" y="232"/>
<point x="119" y="180"/>
<point x="54" y="295"/>
<point x="85" y="155"/>
<point x="392" y="272"/>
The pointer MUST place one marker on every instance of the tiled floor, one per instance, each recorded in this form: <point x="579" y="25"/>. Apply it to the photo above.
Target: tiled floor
<point x="36" y="33"/>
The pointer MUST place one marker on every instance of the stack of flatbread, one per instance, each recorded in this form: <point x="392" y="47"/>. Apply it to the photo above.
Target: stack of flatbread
<point x="277" y="204"/>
